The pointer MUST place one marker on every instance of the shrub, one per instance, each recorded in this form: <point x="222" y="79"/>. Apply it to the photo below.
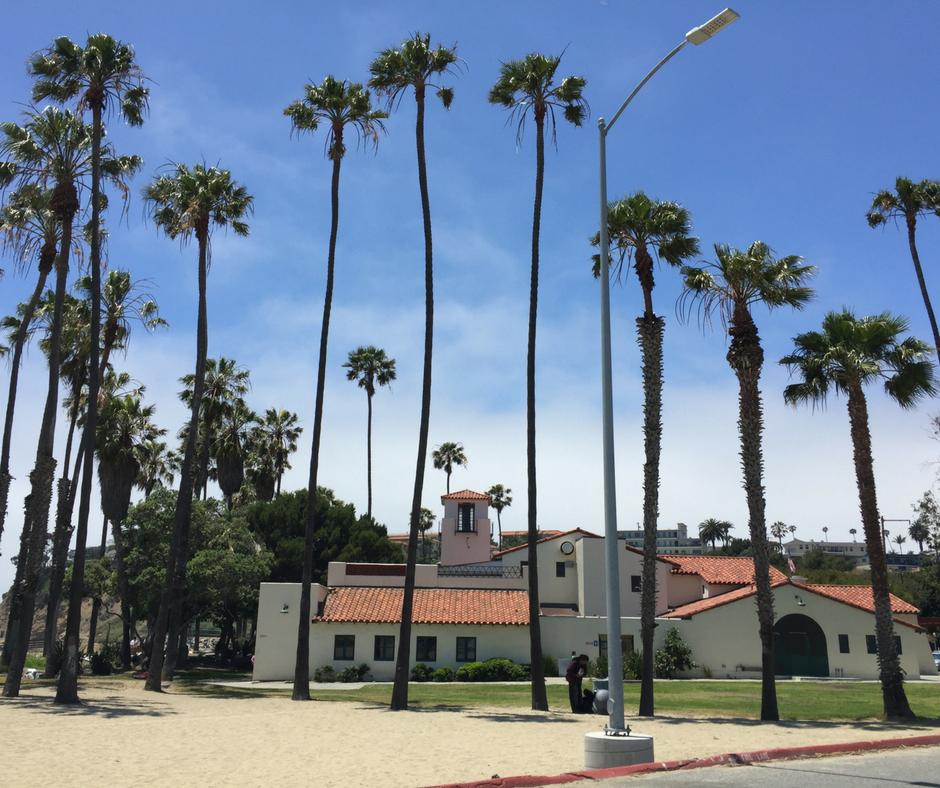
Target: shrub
<point x="351" y="674"/>
<point x="421" y="672"/>
<point x="549" y="665"/>
<point x="673" y="657"/>
<point x="324" y="675"/>
<point x="443" y="674"/>
<point x="633" y="666"/>
<point x="598" y="668"/>
<point x="55" y="659"/>
<point x="497" y="669"/>
<point x="104" y="660"/>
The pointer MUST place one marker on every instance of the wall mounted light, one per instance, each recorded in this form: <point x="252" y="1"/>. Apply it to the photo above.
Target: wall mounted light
<point x="285" y="608"/>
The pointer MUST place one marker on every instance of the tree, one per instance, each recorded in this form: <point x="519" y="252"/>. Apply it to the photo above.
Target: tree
<point x="279" y="433"/>
<point x="338" y="105"/>
<point x="97" y="77"/>
<point x="825" y="530"/>
<point x="527" y="87"/>
<point x="415" y="65"/>
<point x="187" y="202"/>
<point x="900" y="539"/>
<point x="54" y="148"/>
<point x="731" y="286"/>
<point x="845" y="356"/>
<point x="853" y="531"/>
<point x="712" y="530"/>
<point x="927" y="520"/>
<point x="639" y="227"/>
<point x="424" y="525"/>
<point x="909" y="201"/>
<point x="229" y="446"/>
<point x="779" y="530"/>
<point x="500" y="498"/>
<point x="157" y="466"/>
<point x="446" y="456"/>
<point x="369" y="366"/>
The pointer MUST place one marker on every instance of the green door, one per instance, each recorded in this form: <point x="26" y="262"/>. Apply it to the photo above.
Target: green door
<point x="800" y="647"/>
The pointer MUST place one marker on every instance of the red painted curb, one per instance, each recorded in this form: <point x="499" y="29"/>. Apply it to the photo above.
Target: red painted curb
<point x="728" y="758"/>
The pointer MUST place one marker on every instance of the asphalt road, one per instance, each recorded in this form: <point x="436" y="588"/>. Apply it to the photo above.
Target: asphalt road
<point x="918" y="766"/>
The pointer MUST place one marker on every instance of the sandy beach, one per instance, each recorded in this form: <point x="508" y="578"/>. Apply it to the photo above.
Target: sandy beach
<point x="123" y="735"/>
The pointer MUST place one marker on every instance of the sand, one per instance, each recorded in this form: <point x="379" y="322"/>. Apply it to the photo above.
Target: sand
<point x="125" y="736"/>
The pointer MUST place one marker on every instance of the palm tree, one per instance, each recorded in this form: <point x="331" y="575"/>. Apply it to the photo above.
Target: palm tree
<point x="281" y="432"/>
<point x="853" y="531"/>
<point x="157" y="466"/>
<point x="425" y="524"/>
<point x="825" y="530"/>
<point x="30" y="231"/>
<point x="368" y="366"/>
<point x="446" y="456"/>
<point x="731" y="286"/>
<point x="523" y="87"/>
<point x="415" y="65"/>
<point x="909" y="201"/>
<point x="188" y="202"/>
<point x="779" y="530"/>
<point x="229" y="447"/>
<point x="900" y="539"/>
<point x="639" y="227"/>
<point x="340" y="106"/>
<point x="500" y="498"/>
<point x="927" y="520"/>
<point x="100" y="76"/>
<point x="53" y="148"/>
<point x="846" y="355"/>
<point x="712" y="529"/>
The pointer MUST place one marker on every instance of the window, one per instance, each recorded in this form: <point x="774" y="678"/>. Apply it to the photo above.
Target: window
<point x="626" y="645"/>
<point x="426" y="649"/>
<point x="466" y="521"/>
<point x="871" y="644"/>
<point x="897" y="644"/>
<point x="466" y="649"/>
<point x="559" y="569"/>
<point x="344" y="647"/>
<point x="636" y="583"/>
<point x="384" y="648"/>
<point x="843" y="644"/>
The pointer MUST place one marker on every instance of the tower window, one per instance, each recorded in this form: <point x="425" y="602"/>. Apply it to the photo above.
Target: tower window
<point x="466" y="520"/>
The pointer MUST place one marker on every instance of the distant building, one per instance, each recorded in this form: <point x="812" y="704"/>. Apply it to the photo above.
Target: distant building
<point x="672" y="542"/>
<point x="854" y="551"/>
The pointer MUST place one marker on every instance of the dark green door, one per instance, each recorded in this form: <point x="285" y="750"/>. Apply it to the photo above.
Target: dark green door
<point x="800" y="647"/>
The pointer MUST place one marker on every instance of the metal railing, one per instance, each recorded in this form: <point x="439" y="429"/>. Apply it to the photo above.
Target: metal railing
<point x="479" y="570"/>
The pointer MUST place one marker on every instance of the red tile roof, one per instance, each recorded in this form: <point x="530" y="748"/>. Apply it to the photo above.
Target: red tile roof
<point x="465" y="495"/>
<point x="701" y="605"/>
<point x="525" y="532"/>
<point x="858" y="596"/>
<point x="369" y="605"/>
<point x="553" y="535"/>
<point x="721" y="570"/>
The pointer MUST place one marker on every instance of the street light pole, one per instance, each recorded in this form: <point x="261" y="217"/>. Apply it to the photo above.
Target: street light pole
<point x="696" y="35"/>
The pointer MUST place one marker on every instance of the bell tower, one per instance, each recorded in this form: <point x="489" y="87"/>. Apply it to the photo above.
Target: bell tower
<point x="465" y="528"/>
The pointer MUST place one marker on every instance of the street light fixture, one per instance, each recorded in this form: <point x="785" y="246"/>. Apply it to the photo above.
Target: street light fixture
<point x="696" y="35"/>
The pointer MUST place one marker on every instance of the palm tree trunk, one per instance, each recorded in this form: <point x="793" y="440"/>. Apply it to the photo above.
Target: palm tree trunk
<point x="896" y="705"/>
<point x="911" y="231"/>
<point x="36" y="516"/>
<point x="301" y="690"/>
<point x="369" y="453"/>
<point x="171" y="597"/>
<point x="499" y="525"/>
<point x="96" y="602"/>
<point x="13" y="611"/>
<point x="650" y="330"/>
<point x="46" y="261"/>
<point x="539" y="694"/>
<point x="746" y="358"/>
<point x="403" y="656"/>
<point x="123" y="592"/>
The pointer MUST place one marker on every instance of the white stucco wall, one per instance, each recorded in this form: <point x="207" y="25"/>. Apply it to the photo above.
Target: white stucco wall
<point x="592" y="580"/>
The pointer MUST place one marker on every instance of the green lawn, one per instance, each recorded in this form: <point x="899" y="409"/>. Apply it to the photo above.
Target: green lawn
<point x="798" y="700"/>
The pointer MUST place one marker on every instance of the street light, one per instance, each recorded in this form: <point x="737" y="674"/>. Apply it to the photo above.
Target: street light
<point x="696" y="35"/>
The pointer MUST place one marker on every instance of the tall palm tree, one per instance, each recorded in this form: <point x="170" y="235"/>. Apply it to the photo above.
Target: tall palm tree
<point x="340" y="106"/>
<point x="415" y="65"/>
<point x="527" y="87"/>
<point x="229" y="448"/>
<point x="899" y="540"/>
<point x="188" y="202"/>
<point x="853" y="531"/>
<point x="102" y="77"/>
<point x="280" y="431"/>
<point x="30" y="232"/>
<point x="446" y="456"/>
<point x="825" y="530"/>
<point x="845" y="356"/>
<point x="157" y="466"/>
<point x="368" y="366"/>
<point x="425" y="524"/>
<point x="779" y="530"/>
<point x="909" y="201"/>
<point x="713" y="529"/>
<point x="54" y="148"/>
<point x="500" y="498"/>
<point x="737" y="281"/>
<point x="926" y="521"/>
<point x="639" y="227"/>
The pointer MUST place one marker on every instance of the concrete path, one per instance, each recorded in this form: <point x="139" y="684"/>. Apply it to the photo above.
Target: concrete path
<point x="919" y="766"/>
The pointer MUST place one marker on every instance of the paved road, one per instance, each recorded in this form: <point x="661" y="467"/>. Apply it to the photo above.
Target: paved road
<point x="918" y="766"/>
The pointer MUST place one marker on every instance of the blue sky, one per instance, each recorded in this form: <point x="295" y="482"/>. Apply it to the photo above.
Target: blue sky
<point x="780" y="129"/>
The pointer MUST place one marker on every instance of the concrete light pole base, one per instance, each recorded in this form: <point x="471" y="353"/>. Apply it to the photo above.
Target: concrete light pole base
<point x="602" y="751"/>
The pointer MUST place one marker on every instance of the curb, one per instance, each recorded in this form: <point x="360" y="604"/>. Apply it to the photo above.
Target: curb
<point x="725" y="759"/>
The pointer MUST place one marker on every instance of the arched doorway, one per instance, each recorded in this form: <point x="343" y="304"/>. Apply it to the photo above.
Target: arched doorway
<point x="800" y="647"/>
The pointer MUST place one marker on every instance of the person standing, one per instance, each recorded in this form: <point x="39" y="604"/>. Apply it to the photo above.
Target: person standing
<point x="574" y="675"/>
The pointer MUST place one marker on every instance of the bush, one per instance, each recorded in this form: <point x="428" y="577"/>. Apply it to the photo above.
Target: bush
<point x="421" y="672"/>
<point x="104" y="660"/>
<point x="598" y="668"/>
<point x="351" y="674"/>
<point x="324" y="675"/>
<point x="633" y="666"/>
<point x="443" y="674"/>
<point x="550" y="665"/>
<point x="55" y="659"/>
<point x="673" y="657"/>
<point x="497" y="669"/>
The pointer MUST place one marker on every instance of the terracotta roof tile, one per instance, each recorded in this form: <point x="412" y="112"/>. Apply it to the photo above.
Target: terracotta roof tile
<point x="465" y="495"/>
<point x="701" y="605"/>
<point x="721" y="570"/>
<point x="370" y="605"/>
<point x="858" y="596"/>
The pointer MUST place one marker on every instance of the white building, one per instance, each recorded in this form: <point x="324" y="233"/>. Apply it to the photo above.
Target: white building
<point x="855" y="551"/>
<point x="473" y="606"/>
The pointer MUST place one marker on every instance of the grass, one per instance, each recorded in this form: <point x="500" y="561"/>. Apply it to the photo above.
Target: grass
<point x="798" y="700"/>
